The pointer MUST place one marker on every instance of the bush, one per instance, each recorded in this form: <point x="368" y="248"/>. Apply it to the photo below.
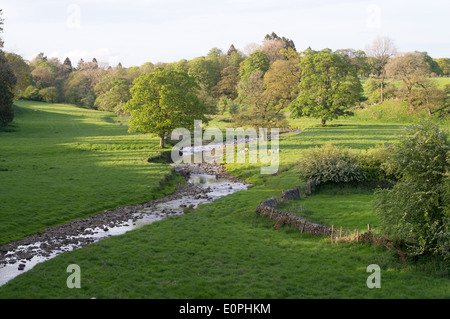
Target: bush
<point x="49" y="94"/>
<point x="32" y="93"/>
<point x="415" y="212"/>
<point x="331" y="164"/>
<point x="372" y="161"/>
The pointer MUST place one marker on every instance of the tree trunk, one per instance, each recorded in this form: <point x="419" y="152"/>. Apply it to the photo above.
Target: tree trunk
<point x="382" y="90"/>
<point x="161" y="142"/>
<point x="428" y="107"/>
<point x="323" y="122"/>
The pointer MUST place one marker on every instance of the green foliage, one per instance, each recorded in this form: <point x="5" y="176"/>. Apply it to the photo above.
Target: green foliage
<point x="7" y="84"/>
<point x="21" y="71"/>
<point x="257" y="60"/>
<point x="372" y="90"/>
<point x="415" y="211"/>
<point x="163" y="101"/>
<point x="112" y="93"/>
<point x="49" y="94"/>
<point x="328" y="87"/>
<point x="444" y="64"/>
<point x="226" y="106"/>
<point x="205" y="71"/>
<point x="32" y="93"/>
<point x="372" y="161"/>
<point x="331" y="164"/>
<point x="66" y="162"/>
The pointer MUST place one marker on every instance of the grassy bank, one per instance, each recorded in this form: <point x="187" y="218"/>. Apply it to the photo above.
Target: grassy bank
<point x="223" y="249"/>
<point x="59" y="163"/>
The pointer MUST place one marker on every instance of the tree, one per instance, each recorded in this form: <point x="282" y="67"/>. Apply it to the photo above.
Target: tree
<point x="379" y="53"/>
<point x="444" y="64"/>
<point x="80" y="84"/>
<point x="372" y="89"/>
<point x="272" y="49"/>
<point x="21" y="71"/>
<point x="282" y="79"/>
<point x="7" y="83"/>
<point x="430" y="95"/>
<point x="44" y="75"/>
<point x="286" y="42"/>
<point x="415" y="212"/>
<point x="358" y="59"/>
<point x="49" y="94"/>
<point x="328" y="86"/>
<point x="68" y="65"/>
<point x="433" y="66"/>
<point x="163" y="101"/>
<point x="410" y="68"/>
<point x="227" y="85"/>
<point x="260" y="105"/>
<point x="112" y="93"/>
<point x="257" y="60"/>
<point x="205" y="71"/>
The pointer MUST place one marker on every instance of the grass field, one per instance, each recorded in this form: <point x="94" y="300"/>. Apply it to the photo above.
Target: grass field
<point x="352" y="207"/>
<point x="220" y="250"/>
<point x="61" y="163"/>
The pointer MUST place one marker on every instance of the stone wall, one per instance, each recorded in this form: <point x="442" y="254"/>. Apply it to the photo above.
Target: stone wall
<point x="266" y="208"/>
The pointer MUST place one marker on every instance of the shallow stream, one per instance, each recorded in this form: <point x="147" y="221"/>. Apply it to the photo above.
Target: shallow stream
<point x="21" y="256"/>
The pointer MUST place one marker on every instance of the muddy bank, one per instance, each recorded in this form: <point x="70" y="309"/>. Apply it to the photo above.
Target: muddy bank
<point x="205" y="183"/>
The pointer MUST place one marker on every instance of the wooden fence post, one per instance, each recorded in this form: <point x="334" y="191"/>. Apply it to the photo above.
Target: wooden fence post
<point x="332" y="230"/>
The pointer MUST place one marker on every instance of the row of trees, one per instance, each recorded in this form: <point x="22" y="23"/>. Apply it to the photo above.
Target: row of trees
<point x="256" y="88"/>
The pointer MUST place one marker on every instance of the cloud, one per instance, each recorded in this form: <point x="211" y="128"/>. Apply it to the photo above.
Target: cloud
<point x="103" y="55"/>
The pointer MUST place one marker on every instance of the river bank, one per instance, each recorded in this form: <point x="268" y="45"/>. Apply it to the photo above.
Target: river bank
<point x="205" y="183"/>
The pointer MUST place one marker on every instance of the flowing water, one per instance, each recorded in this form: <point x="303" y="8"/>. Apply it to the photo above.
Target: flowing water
<point x="24" y="257"/>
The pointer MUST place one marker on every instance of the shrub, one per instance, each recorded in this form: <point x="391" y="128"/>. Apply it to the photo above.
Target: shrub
<point x="331" y="164"/>
<point x="49" y="94"/>
<point x="32" y="93"/>
<point x="372" y="161"/>
<point x="415" y="212"/>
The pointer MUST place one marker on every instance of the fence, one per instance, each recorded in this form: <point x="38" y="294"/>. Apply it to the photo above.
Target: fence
<point x="337" y="234"/>
<point x="267" y="208"/>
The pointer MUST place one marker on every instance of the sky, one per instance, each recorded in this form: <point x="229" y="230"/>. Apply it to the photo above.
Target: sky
<point x="134" y="32"/>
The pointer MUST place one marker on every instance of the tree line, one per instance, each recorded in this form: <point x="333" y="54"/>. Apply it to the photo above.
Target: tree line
<point x="254" y="88"/>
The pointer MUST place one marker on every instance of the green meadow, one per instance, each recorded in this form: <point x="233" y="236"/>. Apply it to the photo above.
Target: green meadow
<point x="60" y="162"/>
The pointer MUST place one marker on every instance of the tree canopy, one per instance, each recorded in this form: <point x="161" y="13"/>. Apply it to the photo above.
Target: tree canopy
<point x="328" y="87"/>
<point x="163" y="101"/>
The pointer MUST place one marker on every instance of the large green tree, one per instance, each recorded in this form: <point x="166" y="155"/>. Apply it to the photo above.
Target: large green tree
<point x="163" y="101"/>
<point x="415" y="211"/>
<point x="328" y="87"/>
<point x="7" y="83"/>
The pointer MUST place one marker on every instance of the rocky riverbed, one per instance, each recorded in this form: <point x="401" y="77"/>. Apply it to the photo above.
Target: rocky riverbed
<point x="205" y="183"/>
